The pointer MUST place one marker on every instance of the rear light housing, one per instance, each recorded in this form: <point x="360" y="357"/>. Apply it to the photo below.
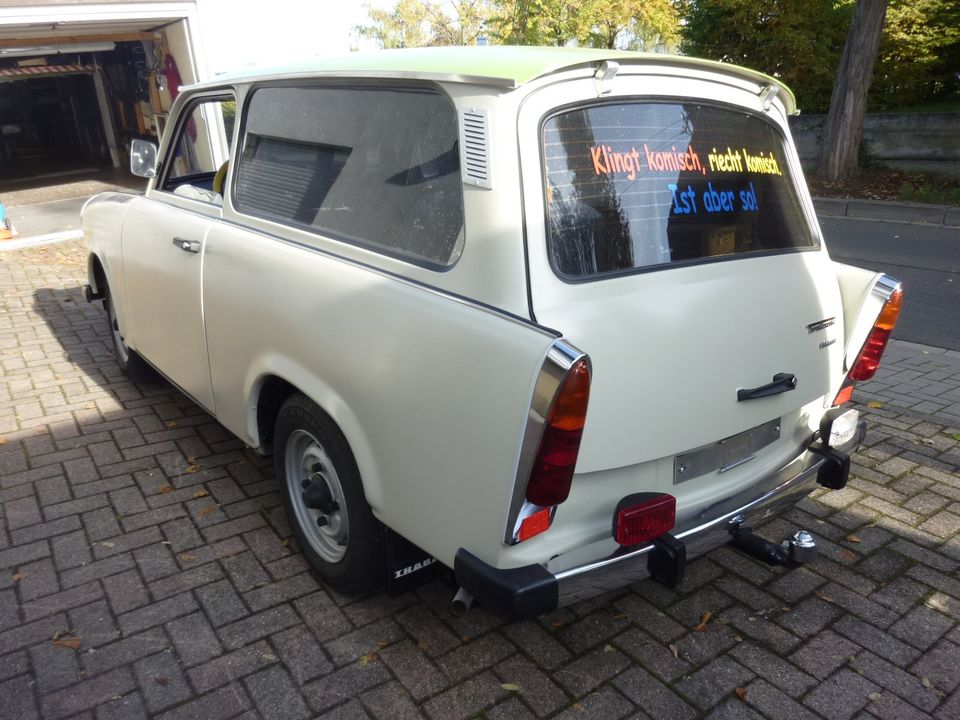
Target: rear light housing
<point x="556" y="458"/>
<point x="643" y="517"/>
<point x="551" y="442"/>
<point x="868" y="359"/>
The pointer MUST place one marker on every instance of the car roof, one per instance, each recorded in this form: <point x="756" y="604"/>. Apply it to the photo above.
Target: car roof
<point x="501" y="66"/>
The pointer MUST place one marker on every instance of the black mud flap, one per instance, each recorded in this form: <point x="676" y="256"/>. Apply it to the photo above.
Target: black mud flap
<point x="407" y="565"/>
<point x="667" y="561"/>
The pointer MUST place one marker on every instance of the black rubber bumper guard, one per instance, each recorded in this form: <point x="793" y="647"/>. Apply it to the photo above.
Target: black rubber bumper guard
<point x="532" y="590"/>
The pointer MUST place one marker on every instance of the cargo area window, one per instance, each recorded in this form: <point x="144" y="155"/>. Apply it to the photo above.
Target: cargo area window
<point x="643" y="185"/>
<point x="375" y="166"/>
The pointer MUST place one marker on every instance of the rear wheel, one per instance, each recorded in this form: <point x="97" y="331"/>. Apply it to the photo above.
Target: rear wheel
<point x="131" y="364"/>
<point x="324" y="499"/>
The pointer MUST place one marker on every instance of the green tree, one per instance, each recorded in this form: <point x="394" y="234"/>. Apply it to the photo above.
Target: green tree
<point x="421" y="23"/>
<point x="625" y="24"/>
<point x="797" y="41"/>
<point x="635" y="24"/>
<point x="919" y="54"/>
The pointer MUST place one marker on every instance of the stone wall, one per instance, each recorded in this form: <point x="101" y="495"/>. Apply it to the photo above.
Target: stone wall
<point x="890" y="136"/>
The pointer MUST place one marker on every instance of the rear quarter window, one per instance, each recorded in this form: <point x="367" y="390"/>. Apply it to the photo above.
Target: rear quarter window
<point x="645" y="185"/>
<point x="373" y="166"/>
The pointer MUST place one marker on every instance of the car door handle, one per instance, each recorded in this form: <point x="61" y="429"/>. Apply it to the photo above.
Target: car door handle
<point x="190" y="246"/>
<point x="782" y="382"/>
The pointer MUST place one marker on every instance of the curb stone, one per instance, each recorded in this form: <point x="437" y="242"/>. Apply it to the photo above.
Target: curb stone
<point x="883" y="210"/>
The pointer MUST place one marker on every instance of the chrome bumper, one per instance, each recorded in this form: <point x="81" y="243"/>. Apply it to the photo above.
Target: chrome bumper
<point x="533" y="590"/>
<point x="709" y="529"/>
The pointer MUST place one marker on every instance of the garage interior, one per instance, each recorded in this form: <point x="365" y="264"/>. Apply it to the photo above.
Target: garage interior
<point x="73" y="95"/>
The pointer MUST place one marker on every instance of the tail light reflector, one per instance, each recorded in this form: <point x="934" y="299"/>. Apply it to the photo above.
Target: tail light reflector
<point x="637" y="522"/>
<point x="869" y="358"/>
<point x="534" y="524"/>
<point x="560" y="444"/>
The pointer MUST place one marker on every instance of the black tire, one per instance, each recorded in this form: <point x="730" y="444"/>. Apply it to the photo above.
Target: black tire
<point x="130" y="362"/>
<point x="324" y="499"/>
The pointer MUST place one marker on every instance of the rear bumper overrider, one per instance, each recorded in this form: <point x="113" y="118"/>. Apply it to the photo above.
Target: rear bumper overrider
<point x="532" y="590"/>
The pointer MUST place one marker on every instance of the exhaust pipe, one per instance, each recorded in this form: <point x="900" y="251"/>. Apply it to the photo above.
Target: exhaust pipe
<point x="461" y="602"/>
<point x="800" y="548"/>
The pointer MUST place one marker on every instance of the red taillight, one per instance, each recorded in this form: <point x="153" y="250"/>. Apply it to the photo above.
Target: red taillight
<point x="646" y="520"/>
<point x="557" y="455"/>
<point x="869" y="358"/>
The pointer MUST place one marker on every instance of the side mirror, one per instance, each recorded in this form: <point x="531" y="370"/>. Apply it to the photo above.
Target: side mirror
<point x="143" y="158"/>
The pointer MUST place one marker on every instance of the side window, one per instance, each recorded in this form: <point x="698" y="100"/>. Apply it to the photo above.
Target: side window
<point x="196" y="166"/>
<point x="374" y="166"/>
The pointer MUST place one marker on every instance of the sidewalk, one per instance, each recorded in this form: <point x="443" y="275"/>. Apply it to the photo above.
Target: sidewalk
<point x="886" y="210"/>
<point x="917" y="380"/>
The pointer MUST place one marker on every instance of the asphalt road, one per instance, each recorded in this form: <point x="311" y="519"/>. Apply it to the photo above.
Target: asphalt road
<point x="925" y="257"/>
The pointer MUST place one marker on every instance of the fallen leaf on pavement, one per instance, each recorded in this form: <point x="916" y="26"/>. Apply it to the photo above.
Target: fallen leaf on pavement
<point x="3" y="441"/>
<point x="203" y="512"/>
<point x="853" y="538"/>
<point x="165" y="489"/>
<point x="675" y="650"/>
<point x="200" y="493"/>
<point x="269" y="657"/>
<point x="18" y="577"/>
<point x="703" y="622"/>
<point x="67" y="642"/>
<point x="510" y="687"/>
<point x="188" y="558"/>
<point x="825" y="598"/>
<point x="874" y="696"/>
<point x="171" y="423"/>
<point x="874" y="404"/>
<point x="106" y="544"/>
<point x="926" y="683"/>
<point x="848" y="555"/>
<point x="741" y="692"/>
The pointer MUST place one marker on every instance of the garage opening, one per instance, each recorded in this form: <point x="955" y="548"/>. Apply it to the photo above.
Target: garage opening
<point x="50" y="123"/>
<point x="70" y="113"/>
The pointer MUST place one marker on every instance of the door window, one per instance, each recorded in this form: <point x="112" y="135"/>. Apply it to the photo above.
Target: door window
<point x="196" y="166"/>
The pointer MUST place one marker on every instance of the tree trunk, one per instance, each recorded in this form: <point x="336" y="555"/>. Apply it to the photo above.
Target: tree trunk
<point x="839" y="153"/>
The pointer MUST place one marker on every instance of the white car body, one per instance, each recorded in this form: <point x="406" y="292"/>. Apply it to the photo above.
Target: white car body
<point x="432" y="374"/>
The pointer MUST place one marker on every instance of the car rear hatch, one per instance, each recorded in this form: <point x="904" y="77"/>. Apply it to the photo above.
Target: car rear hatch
<point x="677" y="251"/>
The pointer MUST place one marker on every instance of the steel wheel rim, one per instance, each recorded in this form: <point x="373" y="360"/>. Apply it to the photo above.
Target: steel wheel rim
<point x="305" y="459"/>
<point x="118" y="342"/>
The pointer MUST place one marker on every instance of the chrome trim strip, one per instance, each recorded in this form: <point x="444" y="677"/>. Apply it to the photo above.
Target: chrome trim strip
<point x="885" y="286"/>
<point x="702" y="531"/>
<point x="559" y="359"/>
<point x="243" y="79"/>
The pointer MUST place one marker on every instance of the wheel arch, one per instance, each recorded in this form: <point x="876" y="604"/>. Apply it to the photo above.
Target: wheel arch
<point x="271" y="389"/>
<point x="96" y="275"/>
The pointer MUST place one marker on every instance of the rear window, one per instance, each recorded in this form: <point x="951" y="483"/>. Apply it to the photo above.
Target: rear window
<point x="633" y="186"/>
<point x="374" y="166"/>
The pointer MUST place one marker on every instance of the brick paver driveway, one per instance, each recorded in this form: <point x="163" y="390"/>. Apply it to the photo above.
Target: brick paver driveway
<point x="145" y="571"/>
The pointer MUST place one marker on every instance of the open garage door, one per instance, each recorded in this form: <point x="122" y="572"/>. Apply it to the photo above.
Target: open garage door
<point x="79" y="81"/>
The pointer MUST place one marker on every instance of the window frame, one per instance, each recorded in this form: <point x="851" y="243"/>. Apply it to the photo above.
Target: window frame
<point x="183" y="116"/>
<point x="342" y="83"/>
<point x="664" y="100"/>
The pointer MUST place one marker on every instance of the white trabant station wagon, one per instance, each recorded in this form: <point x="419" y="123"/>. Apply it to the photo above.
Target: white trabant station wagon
<point x="561" y="319"/>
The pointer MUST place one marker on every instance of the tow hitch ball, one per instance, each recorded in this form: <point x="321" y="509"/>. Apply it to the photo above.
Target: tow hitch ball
<point x="798" y="549"/>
